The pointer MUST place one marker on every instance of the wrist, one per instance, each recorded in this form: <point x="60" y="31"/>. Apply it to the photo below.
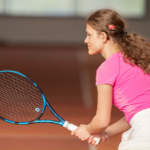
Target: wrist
<point x="107" y="139"/>
<point x="88" y="128"/>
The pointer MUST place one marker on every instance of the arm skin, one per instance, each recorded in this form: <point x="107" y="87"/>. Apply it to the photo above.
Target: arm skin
<point x="104" y="105"/>
<point x="101" y="120"/>
<point x="114" y="129"/>
<point x="103" y="114"/>
<point x="118" y="127"/>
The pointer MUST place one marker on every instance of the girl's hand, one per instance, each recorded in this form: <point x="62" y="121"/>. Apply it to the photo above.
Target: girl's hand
<point x="81" y="132"/>
<point x="93" y="142"/>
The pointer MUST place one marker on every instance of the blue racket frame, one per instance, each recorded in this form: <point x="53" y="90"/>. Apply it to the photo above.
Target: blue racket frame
<point x="45" y="104"/>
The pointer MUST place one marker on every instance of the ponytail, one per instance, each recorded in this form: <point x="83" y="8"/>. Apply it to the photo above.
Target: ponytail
<point x="137" y="50"/>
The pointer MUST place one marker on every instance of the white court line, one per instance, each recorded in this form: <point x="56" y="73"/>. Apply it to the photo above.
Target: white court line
<point x="84" y="75"/>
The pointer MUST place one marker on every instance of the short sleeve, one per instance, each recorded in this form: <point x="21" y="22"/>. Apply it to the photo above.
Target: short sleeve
<point x="108" y="71"/>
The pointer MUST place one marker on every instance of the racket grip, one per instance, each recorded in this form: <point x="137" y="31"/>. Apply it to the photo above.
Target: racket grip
<point x="73" y="127"/>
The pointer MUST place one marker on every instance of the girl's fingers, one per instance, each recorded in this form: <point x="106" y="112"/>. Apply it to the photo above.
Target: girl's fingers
<point x="90" y="138"/>
<point x="93" y="142"/>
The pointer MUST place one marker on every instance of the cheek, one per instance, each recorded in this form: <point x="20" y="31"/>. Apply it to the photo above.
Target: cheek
<point x="98" y="45"/>
<point x="95" y="48"/>
<point x="95" y="44"/>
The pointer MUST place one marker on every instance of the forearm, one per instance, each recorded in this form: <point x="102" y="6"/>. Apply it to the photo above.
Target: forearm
<point x="118" y="127"/>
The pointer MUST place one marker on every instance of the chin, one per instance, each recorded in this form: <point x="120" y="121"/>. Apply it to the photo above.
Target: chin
<point x="91" y="53"/>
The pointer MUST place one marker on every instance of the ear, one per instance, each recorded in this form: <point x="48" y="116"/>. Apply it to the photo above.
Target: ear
<point x="103" y="36"/>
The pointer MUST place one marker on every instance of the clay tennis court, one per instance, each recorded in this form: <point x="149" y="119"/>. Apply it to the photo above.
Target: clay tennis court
<point x="59" y="63"/>
<point x="67" y="78"/>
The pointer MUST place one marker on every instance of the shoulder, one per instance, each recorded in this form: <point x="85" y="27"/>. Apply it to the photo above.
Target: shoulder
<point x="108" y="70"/>
<point x="111" y="63"/>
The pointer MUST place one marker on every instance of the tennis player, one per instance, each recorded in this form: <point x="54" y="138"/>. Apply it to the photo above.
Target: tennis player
<point x="123" y="80"/>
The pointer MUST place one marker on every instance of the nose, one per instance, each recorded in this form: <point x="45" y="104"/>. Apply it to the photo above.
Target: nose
<point x="86" y="40"/>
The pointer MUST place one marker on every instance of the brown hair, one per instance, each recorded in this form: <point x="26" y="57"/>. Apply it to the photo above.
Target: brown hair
<point x="134" y="47"/>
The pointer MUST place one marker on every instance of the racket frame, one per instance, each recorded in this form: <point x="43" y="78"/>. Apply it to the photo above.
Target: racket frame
<point x="45" y="104"/>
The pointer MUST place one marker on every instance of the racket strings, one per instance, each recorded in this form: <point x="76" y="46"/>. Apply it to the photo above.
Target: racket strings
<point x="20" y="100"/>
<point x="15" y="109"/>
<point x="7" y="89"/>
<point x="23" y="83"/>
<point x="20" y="107"/>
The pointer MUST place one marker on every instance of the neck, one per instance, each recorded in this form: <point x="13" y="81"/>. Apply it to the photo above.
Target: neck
<point x="109" y="49"/>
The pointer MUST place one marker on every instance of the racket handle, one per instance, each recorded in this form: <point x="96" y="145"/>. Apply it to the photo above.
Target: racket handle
<point x="73" y="127"/>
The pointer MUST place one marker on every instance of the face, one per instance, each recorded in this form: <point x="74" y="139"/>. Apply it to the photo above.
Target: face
<point x="93" y="40"/>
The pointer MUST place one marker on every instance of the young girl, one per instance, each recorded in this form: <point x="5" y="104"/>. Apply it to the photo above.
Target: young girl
<point x="123" y="80"/>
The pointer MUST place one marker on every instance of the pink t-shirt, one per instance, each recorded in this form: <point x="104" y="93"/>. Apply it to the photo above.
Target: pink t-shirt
<point x="131" y="87"/>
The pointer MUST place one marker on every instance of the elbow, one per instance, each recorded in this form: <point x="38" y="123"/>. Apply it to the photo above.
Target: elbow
<point x="102" y="124"/>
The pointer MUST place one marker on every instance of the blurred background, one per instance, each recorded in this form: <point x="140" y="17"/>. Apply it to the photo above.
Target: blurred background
<point x="44" y="39"/>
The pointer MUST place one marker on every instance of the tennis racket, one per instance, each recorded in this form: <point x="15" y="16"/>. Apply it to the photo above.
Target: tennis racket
<point x="22" y="102"/>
